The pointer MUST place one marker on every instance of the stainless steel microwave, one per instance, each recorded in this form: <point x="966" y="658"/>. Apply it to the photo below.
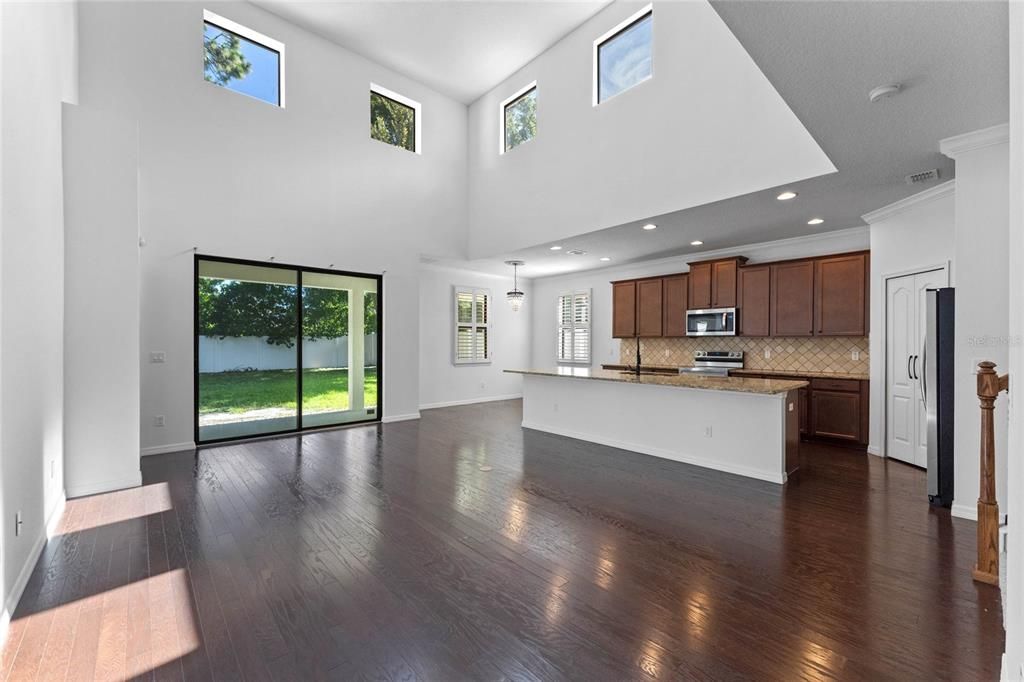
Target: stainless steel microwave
<point x="711" y="322"/>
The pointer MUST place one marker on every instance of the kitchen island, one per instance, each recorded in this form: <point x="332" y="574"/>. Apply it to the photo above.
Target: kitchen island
<point x="743" y="426"/>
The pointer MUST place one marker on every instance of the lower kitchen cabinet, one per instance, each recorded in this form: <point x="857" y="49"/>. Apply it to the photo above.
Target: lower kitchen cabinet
<point x="835" y="414"/>
<point x="830" y="409"/>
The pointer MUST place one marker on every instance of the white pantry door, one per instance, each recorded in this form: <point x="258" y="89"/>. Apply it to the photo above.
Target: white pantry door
<point x="905" y="418"/>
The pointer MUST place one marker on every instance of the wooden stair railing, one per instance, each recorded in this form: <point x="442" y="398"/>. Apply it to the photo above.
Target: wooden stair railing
<point x="990" y="385"/>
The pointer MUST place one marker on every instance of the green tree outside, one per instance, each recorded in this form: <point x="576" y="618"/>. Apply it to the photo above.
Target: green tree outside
<point x="392" y="122"/>
<point x="223" y="61"/>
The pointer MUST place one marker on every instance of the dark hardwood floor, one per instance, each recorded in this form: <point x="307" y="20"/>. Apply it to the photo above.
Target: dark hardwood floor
<point x="462" y="547"/>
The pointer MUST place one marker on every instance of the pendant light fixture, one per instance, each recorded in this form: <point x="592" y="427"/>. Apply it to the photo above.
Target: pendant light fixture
<point x="515" y="297"/>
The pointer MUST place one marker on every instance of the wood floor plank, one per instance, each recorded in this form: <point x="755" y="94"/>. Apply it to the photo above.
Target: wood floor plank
<point x="462" y="546"/>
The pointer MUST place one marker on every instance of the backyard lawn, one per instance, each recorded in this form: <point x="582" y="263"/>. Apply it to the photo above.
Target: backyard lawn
<point x="323" y="390"/>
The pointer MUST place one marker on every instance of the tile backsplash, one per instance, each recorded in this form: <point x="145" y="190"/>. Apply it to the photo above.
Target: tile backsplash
<point x="813" y="354"/>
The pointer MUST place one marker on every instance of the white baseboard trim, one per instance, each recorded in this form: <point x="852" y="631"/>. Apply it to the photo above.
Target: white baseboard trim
<point x="400" y="417"/>
<point x="18" y="589"/>
<point x="94" y="488"/>
<point x="471" y="401"/>
<point x="165" y="449"/>
<point x="875" y="450"/>
<point x="970" y="512"/>
<point x="770" y="476"/>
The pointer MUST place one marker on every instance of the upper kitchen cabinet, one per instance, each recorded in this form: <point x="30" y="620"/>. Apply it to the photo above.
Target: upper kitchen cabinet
<point x="792" y="298"/>
<point x="840" y="295"/>
<point x="754" y="300"/>
<point x="649" y="307"/>
<point x="623" y="310"/>
<point x="699" y="286"/>
<point x="713" y="283"/>
<point x="674" y="293"/>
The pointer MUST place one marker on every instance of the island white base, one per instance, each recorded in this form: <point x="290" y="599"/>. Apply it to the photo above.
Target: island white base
<point x="749" y="434"/>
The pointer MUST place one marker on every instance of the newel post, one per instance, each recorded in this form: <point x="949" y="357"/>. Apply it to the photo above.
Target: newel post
<point x="990" y="385"/>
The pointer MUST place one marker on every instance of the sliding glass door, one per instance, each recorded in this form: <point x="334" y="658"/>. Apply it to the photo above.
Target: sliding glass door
<point x="256" y="374"/>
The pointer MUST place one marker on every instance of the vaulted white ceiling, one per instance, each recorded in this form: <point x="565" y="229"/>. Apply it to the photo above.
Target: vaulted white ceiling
<point x="461" y="49"/>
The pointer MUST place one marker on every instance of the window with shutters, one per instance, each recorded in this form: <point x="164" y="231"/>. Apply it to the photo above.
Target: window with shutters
<point x="472" y="326"/>
<point x="574" y="327"/>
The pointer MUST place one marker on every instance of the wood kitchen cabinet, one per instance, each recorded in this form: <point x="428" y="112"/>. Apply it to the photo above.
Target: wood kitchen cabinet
<point x="713" y="283"/>
<point x="804" y="407"/>
<point x="754" y="300"/>
<point x="835" y="414"/>
<point x="840" y="295"/>
<point x="674" y="296"/>
<point x="699" y="286"/>
<point x="723" y="284"/>
<point x="623" y="310"/>
<point x="792" y="298"/>
<point x="649" y="308"/>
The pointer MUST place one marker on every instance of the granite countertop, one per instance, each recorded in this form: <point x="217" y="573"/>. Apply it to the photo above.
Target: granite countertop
<point x="735" y="384"/>
<point x="749" y="371"/>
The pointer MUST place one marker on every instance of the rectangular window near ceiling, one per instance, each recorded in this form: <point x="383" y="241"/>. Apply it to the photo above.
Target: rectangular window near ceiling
<point x="394" y="119"/>
<point x="623" y="57"/>
<point x="242" y="60"/>
<point x="519" y="118"/>
<point x="472" y="326"/>
<point x="574" y="327"/>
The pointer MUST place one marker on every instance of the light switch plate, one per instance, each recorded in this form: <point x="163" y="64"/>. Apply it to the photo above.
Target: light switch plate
<point x="157" y="356"/>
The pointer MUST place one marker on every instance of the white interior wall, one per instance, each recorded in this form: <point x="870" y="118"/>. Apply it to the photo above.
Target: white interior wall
<point x="605" y="348"/>
<point x="238" y="177"/>
<point x="38" y="61"/>
<point x="982" y="300"/>
<point x="441" y="381"/>
<point x="101" y="350"/>
<point x="1013" y="614"/>
<point x="912" y="235"/>
<point x="653" y="149"/>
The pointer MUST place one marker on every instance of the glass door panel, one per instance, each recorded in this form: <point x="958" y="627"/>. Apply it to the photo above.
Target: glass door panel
<point x="247" y="323"/>
<point x="339" y="349"/>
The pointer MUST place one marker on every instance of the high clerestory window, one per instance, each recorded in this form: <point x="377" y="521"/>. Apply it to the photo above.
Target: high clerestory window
<point x="519" y="118"/>
<point x="623" y="57"/>
<point x="394" y="119"/>
<point x="240" y="59"/>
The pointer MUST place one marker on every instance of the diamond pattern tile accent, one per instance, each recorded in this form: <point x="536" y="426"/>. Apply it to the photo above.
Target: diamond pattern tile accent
<point x="813" y="354"/>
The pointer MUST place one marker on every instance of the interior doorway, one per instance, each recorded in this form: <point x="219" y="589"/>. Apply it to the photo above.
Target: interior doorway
<point x="283" y="348"/>
<point x="906" y="425"/>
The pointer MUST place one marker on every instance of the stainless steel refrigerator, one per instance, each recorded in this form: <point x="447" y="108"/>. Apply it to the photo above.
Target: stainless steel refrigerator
<point x="937" y="392"/>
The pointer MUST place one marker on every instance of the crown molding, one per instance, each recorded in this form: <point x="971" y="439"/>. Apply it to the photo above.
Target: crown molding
<point x="978" y="139"/>
<point x="895" y="208"/>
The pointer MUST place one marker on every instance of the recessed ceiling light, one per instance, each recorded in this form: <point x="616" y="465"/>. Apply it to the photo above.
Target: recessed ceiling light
<point x="650" y="226"/>
<point x="556" y="247"/>
<point x="696" y="242"/>
<point x="786" y="196"/>
<point x="604" y="259"/>
<point x="815" y="221"/>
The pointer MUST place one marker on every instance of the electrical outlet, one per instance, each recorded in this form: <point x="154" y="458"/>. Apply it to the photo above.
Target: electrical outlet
<point x="767" y="353"/>
<point x="556" y="407"/>
<point x="707" y="432"/>
<point x="855" y="355"/>
<point x="17" y="523"/>
<point x="157" y="356"/>
<point x="158" y="420"/>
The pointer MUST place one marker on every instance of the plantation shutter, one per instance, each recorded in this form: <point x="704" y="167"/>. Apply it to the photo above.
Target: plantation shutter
<point x="472" y="326"/>
<point x="574" y="327"/>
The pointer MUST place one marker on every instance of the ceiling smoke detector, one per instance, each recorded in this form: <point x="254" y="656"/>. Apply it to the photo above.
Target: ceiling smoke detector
<point x="883" y="91"/>
<point x="923" y="176"/>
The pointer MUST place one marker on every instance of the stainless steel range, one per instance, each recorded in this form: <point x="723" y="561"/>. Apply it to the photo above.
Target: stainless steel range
<point x="714" y="362"/>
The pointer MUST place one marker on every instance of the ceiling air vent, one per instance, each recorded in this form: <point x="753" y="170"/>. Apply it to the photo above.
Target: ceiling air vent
<point x="576" y="252"/>
<point x="923" y="176"/>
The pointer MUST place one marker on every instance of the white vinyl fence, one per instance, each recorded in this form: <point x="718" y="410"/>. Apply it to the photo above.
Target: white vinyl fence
<point x="234" y="353"/>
